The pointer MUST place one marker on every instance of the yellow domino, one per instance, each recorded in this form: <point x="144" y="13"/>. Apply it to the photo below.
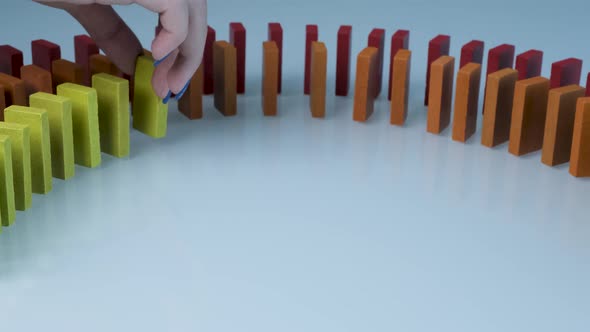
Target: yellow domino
<point x="7" y="207"/>
<point x="20" y="136"/>
<point x="38" y="121"/>
<point x="149" y="113"/>
<point x="85" y="123"/>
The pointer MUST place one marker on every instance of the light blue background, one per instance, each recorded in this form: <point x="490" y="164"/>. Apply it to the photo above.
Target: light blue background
<point x="297" y="224"/>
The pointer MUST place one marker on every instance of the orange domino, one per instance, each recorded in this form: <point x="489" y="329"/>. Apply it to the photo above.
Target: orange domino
<point x="580" y="154"/>
<point x="99" y="63"/>
<point x="319" y="63"/>
<point x="466" y="101"/>
<point x="400" y="86"/>
<point x="528" y="115"/>
<point x="440" y="94"/>
<point x="36" y="79"/>
<point x="225" y="78"/>
<point x="14" y="92"/>
<point x="64" y="71"/>
<point x="559" y="126"/>
<point x="191" y="103"/>
<point x="497" y="113"/>
<point x="365" y="85"/>
<point x="270" y="78"/>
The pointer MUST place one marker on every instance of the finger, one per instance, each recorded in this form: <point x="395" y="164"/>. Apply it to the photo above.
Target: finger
<point x="159" y="78"/>
<point x="174" y="20"/>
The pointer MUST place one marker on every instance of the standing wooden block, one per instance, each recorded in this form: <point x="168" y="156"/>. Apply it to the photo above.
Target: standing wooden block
<point x="466" y="101"/>
<point x="311" y="35"/>
<point x="99" y="63"/>
<point x="559" y="126"/>
<point x="377" y="40"/>
<point x="365" y="85"/>
<point x="400" y="88"/>
<point x="472" y="52"/>
<point x="400" y="40"/>
<point x="529" y="64"/>
<point x="319" y="63"/>
<point x="275" y="33"/>
<point x="498" y="107"/>
<point x="500" y="57"/>
<point x="14" y="92"/>
<point x="588" y="86"/>
<point x="191" y="103"/>
<point x="36" y="79"/>
<point x="85" y="123"/>
<point x="566" y="72"/>
<point x="20" y="138"/>
<point x="7" y="204"/>
<point x="343" y="60"/>
<point x="208" y="62"/>
<point x="441" y="94"/>
<point x="528" y="115"/>
<point x="38" y="121"/>
<point x="11" y="59"/>
<point x="270" y="78"/>
<point x="113" y="113"/>
<point x="44" y="53"/>
<point x="224" y="63"/>
<point x="580" y="154"/>
<point x="84" y="48"/>
<point x="2" y="100"/>
<point x="64" y="71"/>
<point x="439" y="46"/>
<point x="61" y="133"/>
<point x="150" y="114"/>
<point x="237" y="37"/>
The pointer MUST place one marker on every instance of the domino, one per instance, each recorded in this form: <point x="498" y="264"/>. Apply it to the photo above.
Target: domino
<point x="208" y="62"/>
<point x="237" y="37"/>
<point x="566" y="72"/>
<point x="437" y="47"/>
<point x="472" y="52"/>
<point x="191" y="103"/>
<point x="588" y="86"/>
<point x="38" y="122"/>
<point x="377" y="39"/>
<point x="311" y="35"/>
<point x="500" y="57"/>
<point x="20" y="138"/>
<point x="275" y="33"/>
<point x="580" y="153"/>
<point x="224" y="63"/>
<point x="44" y="53"/>
<point x="7" y="203"/>
<point x="319" y="63"/>
<point x="497" y="115"/>
<point x="14" y="92"/>
<point x="36" y="79"/>
<point x="61" y="132"/>
<point x="150" y="114"/>
<point x="64" y="71"/>
<point x="112" y="94"/>
<point x="365" y="85"/>
<point x="11" y="59"/>
<point x="400" y="40"/>
<point x="343" y="60"/>
<point x="2" y="99"/>
<point x="441" y="94"/>
<point x="99" y="63"/>
<point x="528" y="115"/>
<point x="85" y="123"/>
<point x="529" y="64"/>
<point x="84" y="48"/>
<point x="400" y="88"/>
<point x="270" y="78"/>
<point x="466" y="102"/>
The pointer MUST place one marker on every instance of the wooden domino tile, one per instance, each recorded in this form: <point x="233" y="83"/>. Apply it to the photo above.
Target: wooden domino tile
<point x="237" y="37"/>
<point x="472" y="52"/>
<point x="100" y="63"/>
<point x="566" y="72"/>
<point x="400" y="40"/>
<point x="275" y="33"/>
<point x="529" y="64"/>
<point x="20" y="138"/>
<point x="7" y="203"/>
<point x="466" y="102"/>
<point x="343" y="60"/>
<point x="559" y="125"/>
<point x="2" y="100"/>
<point x="365" y="85"/>
<point x="14" y="92"/>
<point x="11" y="59"/>
<point x="36" y="79"/>
<point x="191" y="103"/>
<point x="270" y="78"/>
<point x="529" y="112"/>
<point x="44" y="53"/>
<point x="500" y="57"/>
<point x="38" y="122"/>
<point x="208" y="62"/>
<point x="440" y="94"/>
<point x="588" y="86"/>
<point x="150" y="114"/>
<point x="437" y="47"/>
<point x="224" y="63"/>
<point x="319" y="62"/>
<point x="311" y="35"/>
<point x="64" y="71"/>
<point x="498" y="107"/>
<point x="580" y="153"/>
<point x="400" y="89"/>
<point x="84" y="48"/>
<point x="377" y="40"/>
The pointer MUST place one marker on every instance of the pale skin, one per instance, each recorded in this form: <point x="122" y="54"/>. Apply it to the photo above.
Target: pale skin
<point x="178" y="45"/>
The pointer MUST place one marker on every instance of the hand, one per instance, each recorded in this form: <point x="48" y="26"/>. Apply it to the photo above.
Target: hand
<point x="177" y="48"/>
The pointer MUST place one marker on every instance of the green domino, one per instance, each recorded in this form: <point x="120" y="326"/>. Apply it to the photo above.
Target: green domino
<point x="113" y="113"/>
<point x="149" y="113"/>
<point x="20" y="137"/>
<point x="85" y="123"/>
<point x="59" y="110"/>
<point x="38" y="121"/>
<point x="7" y="207"/>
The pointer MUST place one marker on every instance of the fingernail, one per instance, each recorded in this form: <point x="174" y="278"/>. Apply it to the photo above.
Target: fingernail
<point x="165" y="101"/>
<point x="179" y="95"/>
<point x="157" y="62"/>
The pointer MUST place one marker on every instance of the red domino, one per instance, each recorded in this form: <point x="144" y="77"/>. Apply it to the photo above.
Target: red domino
<point x="437" y="47"/>
<point x="237" y="37"/>
<point x="566" y="72"/>
<point x="208" y="62"/>
<point x="529" y="64"/>
<point x="500" y="57"/>
<point x="399" y="40"/>
<point x="44" y="53"/>
<point x="84" y="47"/>
<point x="11" y="60"/>
<point x="275" y="33"/>
<point x="472" y="52"/>
<point x="311" y="35"/>
<point x="588" y="86"/>
<point x="377" y="39"/>
<point x="343" y="60"/>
